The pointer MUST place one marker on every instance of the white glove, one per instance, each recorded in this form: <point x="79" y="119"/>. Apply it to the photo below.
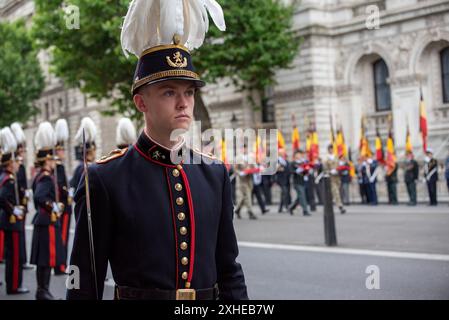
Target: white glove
<point x="424" y="180"/>
<point x="56" y="208"/>
<point x="71" y="192"/>
<point x="334" y="172"/>
<point x="18" y="212"/>
<point x="299" y="170"/>
<point x="28" y="193"/>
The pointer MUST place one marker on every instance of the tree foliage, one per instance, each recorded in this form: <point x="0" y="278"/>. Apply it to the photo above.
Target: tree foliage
<point x="21" y="78"/>
<point x="258" y="41"/>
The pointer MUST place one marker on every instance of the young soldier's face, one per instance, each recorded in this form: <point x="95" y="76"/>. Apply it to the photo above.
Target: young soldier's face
<point x="167" y="105"/>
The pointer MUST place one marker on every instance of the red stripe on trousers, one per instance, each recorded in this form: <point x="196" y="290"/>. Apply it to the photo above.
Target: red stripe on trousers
<point x="15" y="260"/>
<point x="2" y="244"/>
<point x="65" y="225"/>
<point x="52" y="246"/>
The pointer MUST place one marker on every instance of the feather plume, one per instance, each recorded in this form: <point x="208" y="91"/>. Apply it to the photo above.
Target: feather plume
<point x="17" y="130"/>
<point x="62" y="130"/>
<point x="150" y="23"/>
<point x="8" y="141"/>
<point x="45" y="136"/>
<point x="90" y="130"/>
<point x="126" y="132"/>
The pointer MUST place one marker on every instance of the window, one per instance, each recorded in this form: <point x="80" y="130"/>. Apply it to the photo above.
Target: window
<point x="381" y="86"/>
<point x="444" y="55"/>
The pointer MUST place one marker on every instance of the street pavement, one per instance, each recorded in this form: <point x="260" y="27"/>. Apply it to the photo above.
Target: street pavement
<point x="383" y="252"/>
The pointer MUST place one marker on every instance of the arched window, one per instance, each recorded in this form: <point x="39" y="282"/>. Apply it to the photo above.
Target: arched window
<point x="381" y="86"/>
<point x="444" y="55"/>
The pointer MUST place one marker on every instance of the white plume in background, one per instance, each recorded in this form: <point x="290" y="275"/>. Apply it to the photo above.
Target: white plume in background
<point x="89" y="128"/>
<point x="62" y="130"/>
<point x="150" y="23"/>
<point x="45" y="136"/>
<point x="18" y="133"/>
<point x="126" y="132"/>
<point x="8" y="142"/>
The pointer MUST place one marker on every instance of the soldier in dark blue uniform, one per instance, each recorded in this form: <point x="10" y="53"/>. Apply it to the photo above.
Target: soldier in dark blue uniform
<point x="91" y="131"/>
<point x="431" y="176"/>
<point x="23" y="183"/>
<point x="164" y="225"/>
<point x="282" y="179"/>
<point x="12" y="215"/>
<point x="47" y="250"/>
<point x="65" y="192"/>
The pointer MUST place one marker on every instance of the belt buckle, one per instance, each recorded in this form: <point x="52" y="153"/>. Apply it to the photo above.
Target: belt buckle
<point x="185" y="294"/>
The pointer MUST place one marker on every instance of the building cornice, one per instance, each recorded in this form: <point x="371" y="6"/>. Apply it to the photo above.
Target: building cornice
<point x="389" y="17"/>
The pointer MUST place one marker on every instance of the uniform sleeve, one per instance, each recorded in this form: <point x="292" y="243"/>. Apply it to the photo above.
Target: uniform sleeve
<point x="6" y="193"/>
<point x="101" y="229"/>
<point x="42" y="194"/>
<point x="231" y="281"/>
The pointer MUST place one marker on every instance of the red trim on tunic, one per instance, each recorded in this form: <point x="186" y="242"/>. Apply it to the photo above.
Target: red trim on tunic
<point x="15" y="260"/>
<point x="174" y="225"/>
<point x="65" y="225"/>
<point x="52" y="246"/>
<point x="2" y="244"/>
<point x="192" y="224"/>
<point x="148" y="158"/>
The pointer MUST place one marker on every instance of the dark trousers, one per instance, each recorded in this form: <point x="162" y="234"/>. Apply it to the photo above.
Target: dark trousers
<point x="300" y="198"/>
<point x="363" y="192"/>
<point x="284" y="197"/>
<point x="13" y="261"/>
<point x="371" y="193"/>
<point x="432" y="188"/>
<point x="392" y="193"/>
<point x="411" y="190"/>
<point x="310" y="194"/>
<point x="257" y="191"/>
<point x="266" y="184"/>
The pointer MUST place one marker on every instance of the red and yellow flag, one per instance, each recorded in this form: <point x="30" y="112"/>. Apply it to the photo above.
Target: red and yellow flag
<point x="379" y="148"/>
<point x="281" y="140"/>
<point x="259" y="149"/>
<point x="341" y="147"/>
<point x="408" y="142"/>
<point x="314" y="150"/>
<point x="295" y="135"/>
<point x="390" y="160"/>
<point x="295" y="139"/>
<point x="364" y="149"/>
<point x="223" y="155"/>
<point x="423" y="122"/>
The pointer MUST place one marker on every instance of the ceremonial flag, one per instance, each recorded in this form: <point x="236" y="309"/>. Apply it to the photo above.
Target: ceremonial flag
<point x="364" y="149"/>
<point x="379" y="148"/>
<point x="295" y="135"/>
<point x="281" y="140"/>
<point x="423" y="122"/>
<point x="408" y="141"/>
<point x="391" y="154"/>
<point x="342" y="149"/>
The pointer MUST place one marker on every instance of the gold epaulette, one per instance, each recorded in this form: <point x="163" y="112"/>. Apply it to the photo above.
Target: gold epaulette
<point x="209" y="155"/>
<point x="11" y="177"/>
<point x="114" y="154"/>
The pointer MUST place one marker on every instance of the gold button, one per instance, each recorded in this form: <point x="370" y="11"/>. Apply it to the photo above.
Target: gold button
<point x="184" y="275"/>
<point x="179" y="167"/>
<point x="183" y="246"/>
<point x="183" y="231"/>
<point x="181" y="216"/>
<point x="178" y="187"/>
<point x="176" y="173"/>
<point x="179" y="201"/>
<point x="184" y="261"/>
